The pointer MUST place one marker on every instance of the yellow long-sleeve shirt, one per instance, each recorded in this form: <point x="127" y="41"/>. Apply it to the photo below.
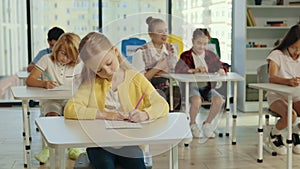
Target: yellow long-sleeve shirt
<point x="91" y="97"/>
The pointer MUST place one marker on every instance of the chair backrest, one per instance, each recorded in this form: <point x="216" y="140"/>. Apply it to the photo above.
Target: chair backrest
<point x="129" y="46"/>
<point x="177" y="42"/>
<point x="262" y="73"/>
<point x="214" y="46"/>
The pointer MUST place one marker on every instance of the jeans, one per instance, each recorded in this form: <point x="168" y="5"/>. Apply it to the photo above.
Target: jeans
<point x="107" y="158"/>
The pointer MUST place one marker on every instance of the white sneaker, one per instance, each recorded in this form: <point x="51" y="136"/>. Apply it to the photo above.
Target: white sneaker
<point x="296" y="143"/>
<point x="195" y="131"/>
<point x="43" y="155"/>
<point x="208" y="130"/>
<point x="277" y="144"/>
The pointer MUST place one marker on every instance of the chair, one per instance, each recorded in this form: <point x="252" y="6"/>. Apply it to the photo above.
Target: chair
<point x="129" y="46"/>
<point x="214" y="46"/>
<point x="83" y="163"/>
<point x="177" y="42"/>
<point x="263" y="77"/>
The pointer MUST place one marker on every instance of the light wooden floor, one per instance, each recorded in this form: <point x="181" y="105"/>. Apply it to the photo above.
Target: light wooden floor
<point x="215" y="154"/>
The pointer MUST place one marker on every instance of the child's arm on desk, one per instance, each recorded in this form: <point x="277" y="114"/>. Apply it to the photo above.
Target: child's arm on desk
<point x="109" y="116"/>
<point x="34" y="81"/>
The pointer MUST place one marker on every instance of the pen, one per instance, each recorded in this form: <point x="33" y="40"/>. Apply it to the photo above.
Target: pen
<point x="47" y="76"/>
<point x="290" y="74"/>
<point x="136" y="107"/>
<point x="139" y="102"/>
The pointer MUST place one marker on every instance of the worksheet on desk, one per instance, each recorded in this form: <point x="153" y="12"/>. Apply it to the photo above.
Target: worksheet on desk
<point x="109" y="124"/>
<point x="206" y="74"/>
<point x="61" y="88"/>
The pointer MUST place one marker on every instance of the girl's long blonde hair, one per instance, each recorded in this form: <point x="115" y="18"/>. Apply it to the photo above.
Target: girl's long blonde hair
<point x="94" y="46"/>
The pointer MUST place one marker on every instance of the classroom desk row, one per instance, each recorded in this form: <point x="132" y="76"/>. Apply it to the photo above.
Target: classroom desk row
<point x="165" y="130"/>
<point x="26" y="93"/>
<point x="30" y="93"/>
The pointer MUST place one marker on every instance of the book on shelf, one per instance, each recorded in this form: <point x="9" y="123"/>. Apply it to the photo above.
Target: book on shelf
<point x="276" y="23"/>
<point x="294" y="3"/>
<point x="250" y="17"/>
<point x="249" y="23"/>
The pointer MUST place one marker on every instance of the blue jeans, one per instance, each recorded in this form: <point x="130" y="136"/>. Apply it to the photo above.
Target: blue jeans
<point x="107" y="158"/>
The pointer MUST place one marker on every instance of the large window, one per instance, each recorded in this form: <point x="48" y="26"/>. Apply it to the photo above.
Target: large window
<point x="215" y="15"/>
<point x="78" y="16"/>
<point x="13" y="33"/>
<point x="127" y="18"/>
<point x="121" y="19"/>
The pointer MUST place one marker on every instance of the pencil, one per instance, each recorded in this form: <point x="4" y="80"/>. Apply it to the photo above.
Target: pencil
<point x="140" y="101"/>
<point x="290" y="74"/>
<point x="47" y="76"/>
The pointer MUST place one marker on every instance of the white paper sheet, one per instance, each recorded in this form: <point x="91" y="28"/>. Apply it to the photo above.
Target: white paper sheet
<point x="121" y="125"/>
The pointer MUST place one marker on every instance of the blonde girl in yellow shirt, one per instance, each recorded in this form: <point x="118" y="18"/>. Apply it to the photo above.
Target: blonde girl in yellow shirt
<point x="110" y="90"/>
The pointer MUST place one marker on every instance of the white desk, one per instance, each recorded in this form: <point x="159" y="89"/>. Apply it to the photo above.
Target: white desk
<point x="60" y="134"/>
<point x="198" y="77"/>
<point x="25" y="94"/>
<point x="289" y="92"/>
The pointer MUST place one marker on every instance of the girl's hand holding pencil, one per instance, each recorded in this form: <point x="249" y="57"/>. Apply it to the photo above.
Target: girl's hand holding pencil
<point x="50" y="84"/>
<point x="137" y="115"/>
<point x="294" y="81"/>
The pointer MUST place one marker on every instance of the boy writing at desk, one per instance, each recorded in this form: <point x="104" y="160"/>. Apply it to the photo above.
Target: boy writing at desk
<point x="110" y="90"/>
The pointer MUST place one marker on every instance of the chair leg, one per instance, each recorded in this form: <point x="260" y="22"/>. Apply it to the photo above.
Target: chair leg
<point x="267" y="119"/>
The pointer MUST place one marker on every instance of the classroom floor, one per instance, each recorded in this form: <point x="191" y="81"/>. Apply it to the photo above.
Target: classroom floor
<point x="214" y="154"/>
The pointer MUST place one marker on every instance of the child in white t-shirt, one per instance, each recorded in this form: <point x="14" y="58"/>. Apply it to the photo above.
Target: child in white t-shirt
<point x="57" y="69"/>
<point x="284" y="63"/>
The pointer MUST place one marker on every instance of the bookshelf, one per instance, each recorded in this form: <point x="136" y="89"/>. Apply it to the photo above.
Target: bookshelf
<point x="252" y="43"/>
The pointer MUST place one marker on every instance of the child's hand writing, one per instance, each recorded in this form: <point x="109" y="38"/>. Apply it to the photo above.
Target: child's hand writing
<point x="137" y="116"/>
<point x="50" y="84"/>
<point x="201" y="70"/>
<point x="192" y="70"/>
<point x="294" y="81"/>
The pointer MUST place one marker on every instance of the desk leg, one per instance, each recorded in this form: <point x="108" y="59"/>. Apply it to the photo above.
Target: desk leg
<point x="227" y="108"/>
<point x="173" y="157"/>
<point x="289" y="139"/>
<point x="171" y="95"/>
<point x="187" y="104"/>
<point x="26" y="133"/>
<point x="52" y="158"/>
<point x="260" y="128"/>
<point x="234" y="114"/>
<point x="61" y="157"/>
